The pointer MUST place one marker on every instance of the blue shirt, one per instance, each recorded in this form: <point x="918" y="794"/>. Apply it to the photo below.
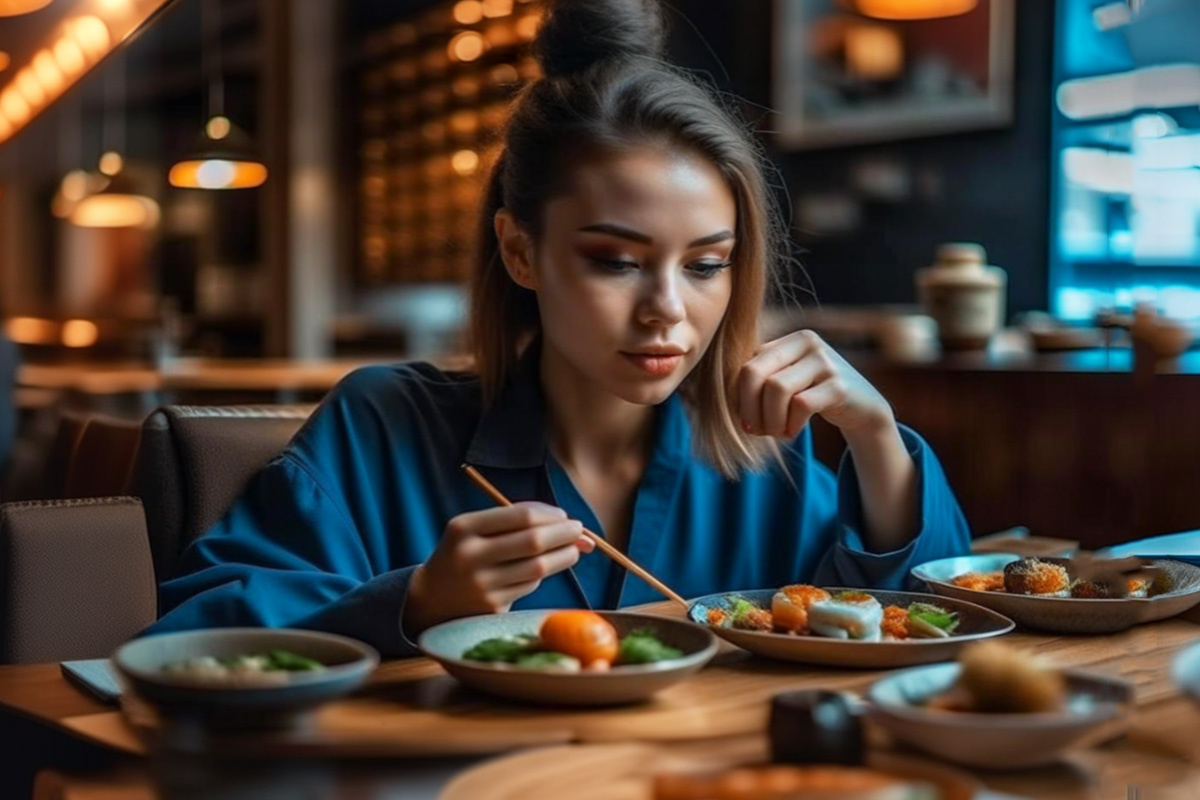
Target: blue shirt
<point x="328" y="534"/>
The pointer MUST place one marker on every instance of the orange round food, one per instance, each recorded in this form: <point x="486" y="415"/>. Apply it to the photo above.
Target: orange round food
<point x="895" y="622"/>
<point x="584" y="635"/>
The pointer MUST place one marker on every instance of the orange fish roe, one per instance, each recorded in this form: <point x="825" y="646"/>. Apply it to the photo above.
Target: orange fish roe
<point x="1034" y="576"/>
<point x="717" y="617"/>
<point x="981" y="581"/>
<point x="895" y="622"/>
<point x="789" y="607"/>
<point x="758" y="619"/>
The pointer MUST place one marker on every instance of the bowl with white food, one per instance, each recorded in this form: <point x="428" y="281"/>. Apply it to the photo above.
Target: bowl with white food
<point x="254" y="675"/>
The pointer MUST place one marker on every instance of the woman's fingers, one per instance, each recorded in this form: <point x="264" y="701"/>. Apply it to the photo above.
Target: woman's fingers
<point x="753" y="378"/>
<point x="501" y="599"/>
<point x="525" y="570"/>
<point x="528" y="543"/>
<point x="818" y="399"/>
<point x="492" y="521"/>
<point x="781" y="387"/>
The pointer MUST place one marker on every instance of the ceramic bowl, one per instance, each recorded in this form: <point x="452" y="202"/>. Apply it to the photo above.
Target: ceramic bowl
<point x="996" y="741"/>
<point x="1065" y="614"/>
<point x="622" y="684"/>
<point x="976" y="623"/>
<point x="1186" y="671"/>
<point x="140" y="665"/>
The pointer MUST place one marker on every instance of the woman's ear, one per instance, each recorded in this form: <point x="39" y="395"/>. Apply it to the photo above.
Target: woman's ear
<point x="516" y="250"/>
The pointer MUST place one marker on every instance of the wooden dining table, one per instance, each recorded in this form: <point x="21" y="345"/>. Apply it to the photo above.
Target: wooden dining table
<point x="411" y="711"/>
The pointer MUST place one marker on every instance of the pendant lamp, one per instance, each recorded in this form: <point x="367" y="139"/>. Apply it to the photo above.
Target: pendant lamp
<point x="222" y="157"/>
<point x="118" y="204"/>
<point x="913" y="9"/>
<point x="15" y="8"/>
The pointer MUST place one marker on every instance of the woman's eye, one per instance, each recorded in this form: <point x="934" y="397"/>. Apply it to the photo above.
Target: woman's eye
<point x="707" y="269"/>
<point x="614" y="264"/>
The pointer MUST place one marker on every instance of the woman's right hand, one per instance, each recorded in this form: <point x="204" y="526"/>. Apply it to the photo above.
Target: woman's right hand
<point x="487" y="560"/>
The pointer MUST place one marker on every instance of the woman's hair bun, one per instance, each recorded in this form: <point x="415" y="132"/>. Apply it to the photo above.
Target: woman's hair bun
<point x="577" y="34"/>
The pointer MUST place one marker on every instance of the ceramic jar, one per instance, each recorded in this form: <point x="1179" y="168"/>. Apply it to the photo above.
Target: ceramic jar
<point x="964" y="295"/>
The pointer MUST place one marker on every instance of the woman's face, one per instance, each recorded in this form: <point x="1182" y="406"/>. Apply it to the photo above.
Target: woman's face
<point x="632" y="271"/>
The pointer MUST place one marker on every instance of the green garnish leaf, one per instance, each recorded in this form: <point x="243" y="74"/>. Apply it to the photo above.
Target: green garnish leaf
<point x="503" y="648"/>
<point x="642" y="647"/>
<point x="740" y="606"/>
<point x="934" y="615"/>
<point x="291" y="662"/>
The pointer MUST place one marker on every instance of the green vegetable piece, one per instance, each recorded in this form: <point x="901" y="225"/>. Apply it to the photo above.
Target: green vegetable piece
<point x="740" y="607"/>
<point x="504" y="648"/>
<point x="549" y="662"/>
<point x="641" y="647"/>
<point x="291" y="662"/>
<point x="934" y="615"/>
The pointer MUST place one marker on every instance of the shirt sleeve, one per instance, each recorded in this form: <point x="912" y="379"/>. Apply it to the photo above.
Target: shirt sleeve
<point x="942" y="528"/>
<point x="287" y="554"/>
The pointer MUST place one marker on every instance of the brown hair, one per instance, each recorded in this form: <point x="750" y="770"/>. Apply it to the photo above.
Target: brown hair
<point x="606" y="87"/>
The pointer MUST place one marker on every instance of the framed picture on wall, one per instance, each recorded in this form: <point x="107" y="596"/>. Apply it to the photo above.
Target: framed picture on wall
<point x="855" y="71"/>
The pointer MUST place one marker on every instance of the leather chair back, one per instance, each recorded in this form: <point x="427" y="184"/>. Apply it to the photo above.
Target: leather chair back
<point x="103" y="460"/>
<point x="194" y="461"/>
<point x="76" y="578"/>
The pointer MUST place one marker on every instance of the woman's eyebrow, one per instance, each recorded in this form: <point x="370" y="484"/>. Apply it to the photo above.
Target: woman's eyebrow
<point x="622" y="232"/>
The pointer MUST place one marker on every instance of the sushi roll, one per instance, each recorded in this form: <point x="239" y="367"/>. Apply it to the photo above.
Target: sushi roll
<point x="847" y="615"/>
<point x="789" y="607"/>
<point x="1034" y="576"/>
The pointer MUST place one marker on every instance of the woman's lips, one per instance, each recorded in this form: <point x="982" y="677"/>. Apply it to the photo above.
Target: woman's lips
<point x="658" y="365"/>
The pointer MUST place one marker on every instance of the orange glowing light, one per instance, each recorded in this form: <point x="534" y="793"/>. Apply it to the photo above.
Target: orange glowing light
<point x="14" y="8"/>
<point x="47" y="71"/>
<point x="69" y="56"/>
<point x="914" y="9"/>
<point x="468" y="12"/>
<point x="92" y="35"/>
<point x="217" y="174"/>
<point x="79" y="333"/>
<point x="467" y="46"/>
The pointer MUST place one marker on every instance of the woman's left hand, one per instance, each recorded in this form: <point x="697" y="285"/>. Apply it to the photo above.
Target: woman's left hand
<point x="799" y="375"/>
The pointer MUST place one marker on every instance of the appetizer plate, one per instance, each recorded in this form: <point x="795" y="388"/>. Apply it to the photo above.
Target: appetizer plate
<point x="975" y="623"/>
<point x="141" y="663"/>
<point x="1186" y="671"/>
<point x="996" y="741"/>
<point x="627" y="771"/>
<point x="447" y="642"/>
<point x="1065" y="614"/>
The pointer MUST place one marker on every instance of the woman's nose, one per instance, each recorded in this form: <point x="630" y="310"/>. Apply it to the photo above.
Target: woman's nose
<point x="662" y="305"/>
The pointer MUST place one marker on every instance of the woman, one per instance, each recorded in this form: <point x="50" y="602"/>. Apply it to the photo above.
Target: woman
<point x="627" y="241"/>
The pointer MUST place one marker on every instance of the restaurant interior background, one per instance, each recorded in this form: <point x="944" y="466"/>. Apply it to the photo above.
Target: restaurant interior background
<point x="324" y="219"/>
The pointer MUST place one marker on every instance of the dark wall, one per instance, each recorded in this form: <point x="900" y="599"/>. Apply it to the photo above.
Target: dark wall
<point x="989" y="186"/>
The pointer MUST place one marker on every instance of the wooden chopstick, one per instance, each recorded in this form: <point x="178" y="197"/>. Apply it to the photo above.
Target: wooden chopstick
<point x="601" y="543"/>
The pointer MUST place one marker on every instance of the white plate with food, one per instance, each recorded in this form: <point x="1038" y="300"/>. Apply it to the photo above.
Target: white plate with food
<point x="569" y="657"/>
<point x="1000" y="708"/>
<point x="1044" y="593"/>
<point x="847" y="627"/>
<point x="255" y="676"/>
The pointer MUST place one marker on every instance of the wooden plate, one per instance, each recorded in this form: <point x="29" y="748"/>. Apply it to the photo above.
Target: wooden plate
<point x="625" y="771"/>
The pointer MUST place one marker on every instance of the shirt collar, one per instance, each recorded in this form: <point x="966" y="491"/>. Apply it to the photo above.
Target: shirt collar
<point x="512" y="432"/>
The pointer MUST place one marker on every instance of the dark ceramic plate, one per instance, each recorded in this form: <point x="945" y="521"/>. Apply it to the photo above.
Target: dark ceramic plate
<point x="1065" y="614"/>
<point x="976" y="623"/>
<point x="447" y="642"/>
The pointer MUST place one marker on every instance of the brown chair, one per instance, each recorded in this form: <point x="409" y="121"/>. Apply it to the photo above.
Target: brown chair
<point x="103" y="462"/>
<point x="71" y="426"/>
<point x="76" y="578"/>
<point x="194" y="461"/>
